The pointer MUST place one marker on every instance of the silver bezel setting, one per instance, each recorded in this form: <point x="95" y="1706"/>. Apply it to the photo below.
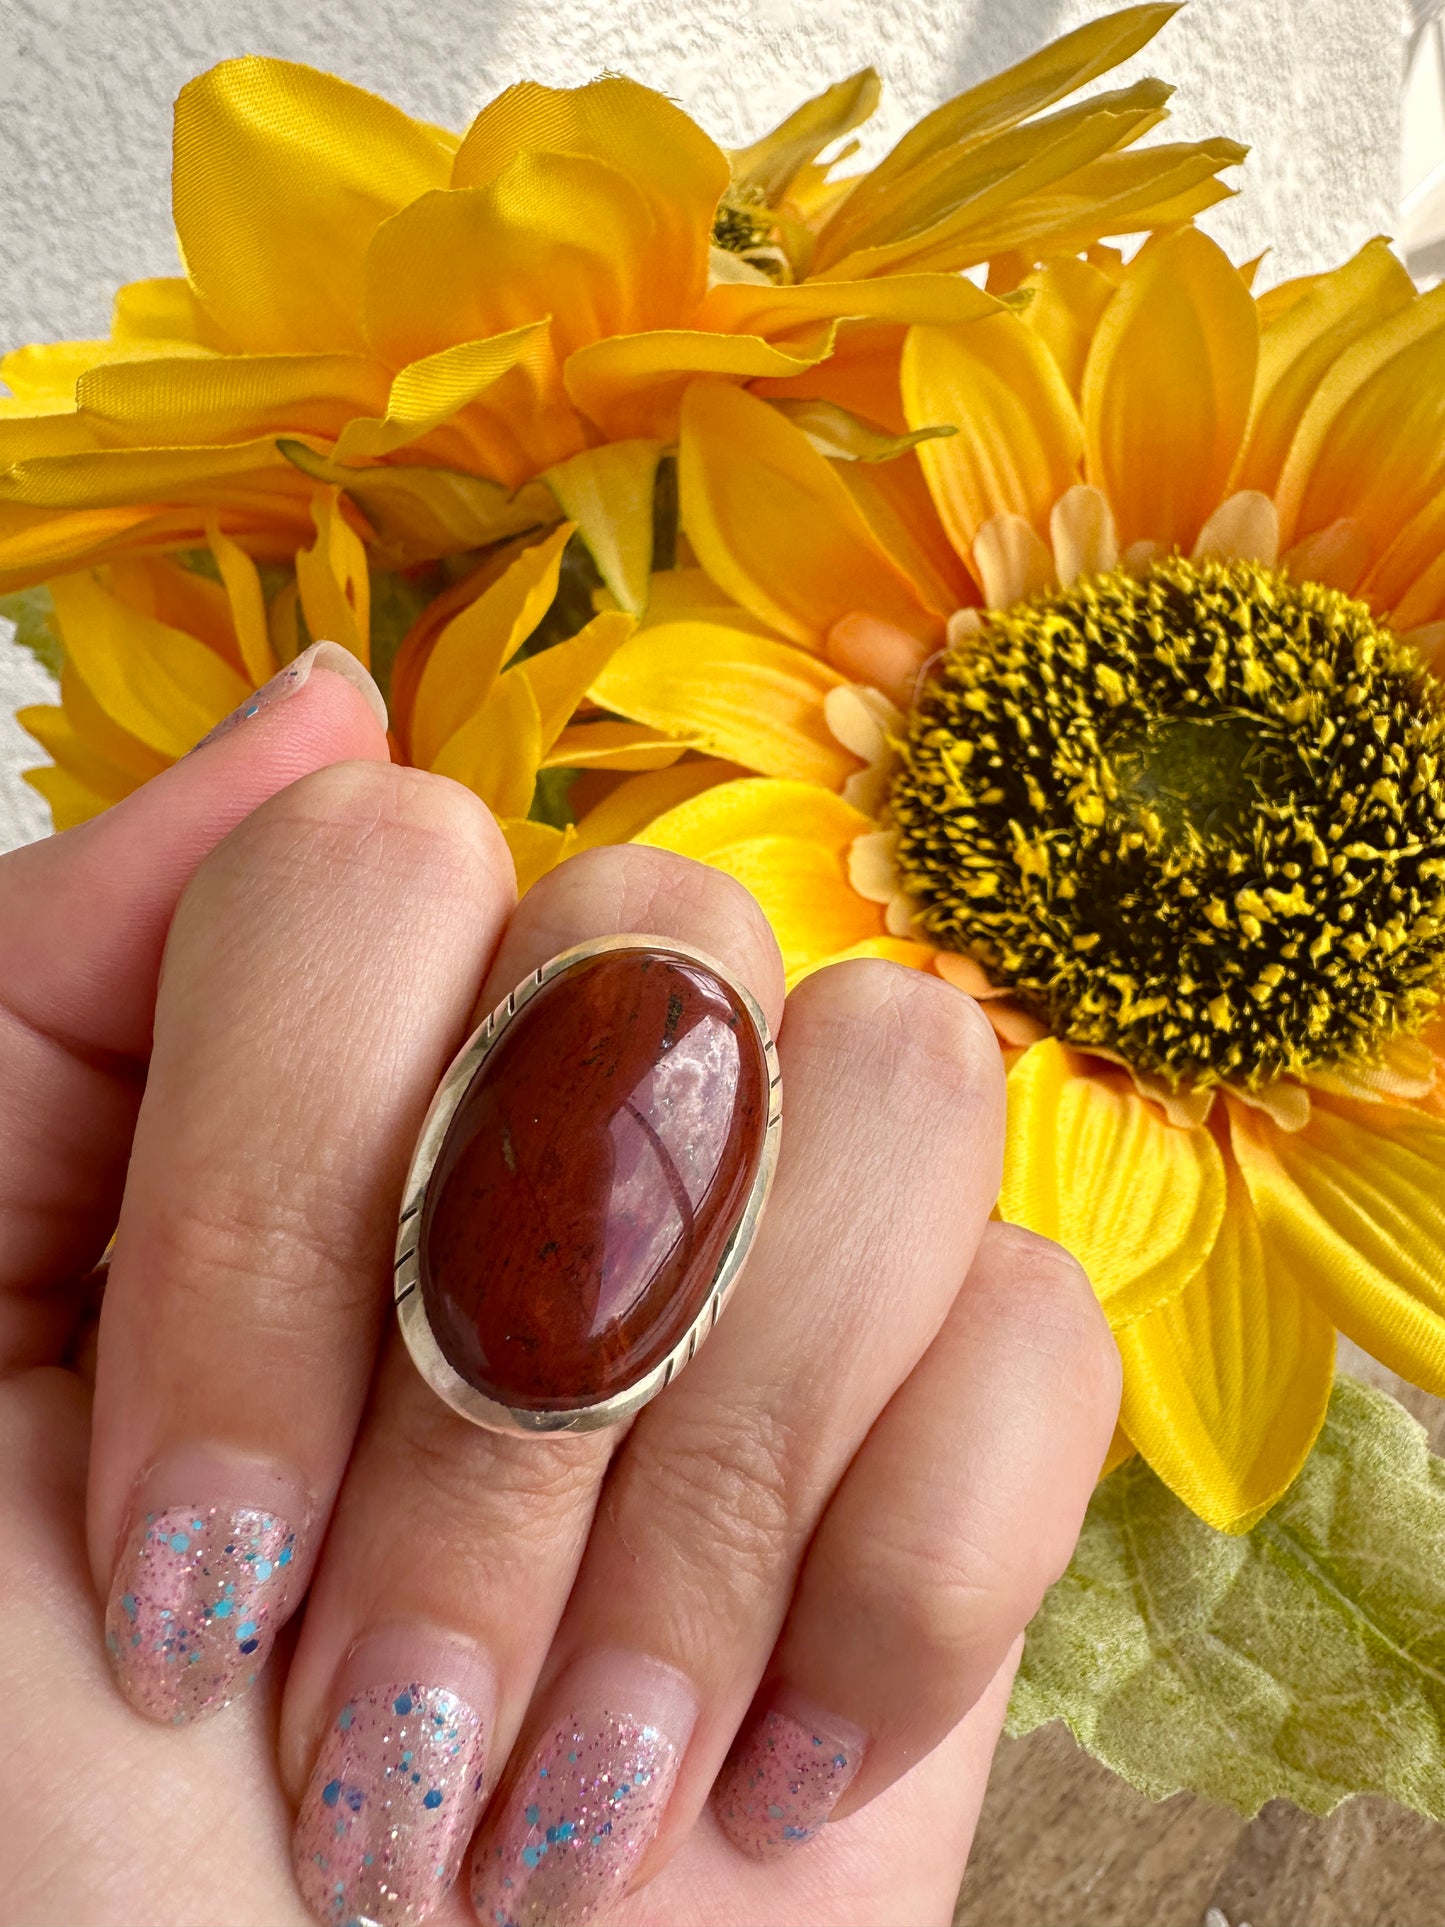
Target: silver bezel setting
<point x="439" y="1373"/>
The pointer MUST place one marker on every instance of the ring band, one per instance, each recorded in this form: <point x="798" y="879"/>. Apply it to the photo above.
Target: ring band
<point x="586" y="1185"/>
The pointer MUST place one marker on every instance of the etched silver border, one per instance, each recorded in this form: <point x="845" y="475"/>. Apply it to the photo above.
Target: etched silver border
<point x="416" y="1329"/>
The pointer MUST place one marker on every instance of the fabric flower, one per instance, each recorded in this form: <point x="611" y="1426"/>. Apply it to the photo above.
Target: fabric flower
<point x="1114" y="708"/>
<point x="433" y="322"/>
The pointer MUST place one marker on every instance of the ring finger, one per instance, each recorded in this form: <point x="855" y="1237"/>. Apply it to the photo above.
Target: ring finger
<point x="452" y="1549"/>
<point x="889" y="1167"/>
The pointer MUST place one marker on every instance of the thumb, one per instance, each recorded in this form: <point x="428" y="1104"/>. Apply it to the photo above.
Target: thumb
<point x="83" y="923"/>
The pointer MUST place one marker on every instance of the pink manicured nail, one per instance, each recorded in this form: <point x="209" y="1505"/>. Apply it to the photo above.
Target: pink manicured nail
<point x="391" y="1804"/>
<point x="786" y="1773"/>
<point x="589" y="1801"/>
<point x="198" y="1596"/>
<point x="321" y="655"/>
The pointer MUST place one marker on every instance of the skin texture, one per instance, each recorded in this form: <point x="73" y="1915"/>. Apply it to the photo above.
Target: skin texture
<point x="850" y="1502"/>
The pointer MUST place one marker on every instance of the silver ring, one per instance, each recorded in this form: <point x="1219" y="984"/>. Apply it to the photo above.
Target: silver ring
<point x="414" y="1283"/>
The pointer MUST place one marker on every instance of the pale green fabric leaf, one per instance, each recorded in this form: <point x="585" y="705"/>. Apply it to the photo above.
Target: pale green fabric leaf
<point x="30" y="610"/>
<point x="1304" y="1660"/>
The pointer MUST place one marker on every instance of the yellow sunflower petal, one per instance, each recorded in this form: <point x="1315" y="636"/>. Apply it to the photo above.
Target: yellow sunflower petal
<point x="1167" y="389"/>
<point x="468" y="655"/>
<point x="749" y="698"/>
<point x="1088" y="1163"/>
<point x="279" y="167"/>
<point x="627" y="810"/>
<point x="229" y="398"/>
<point x="128" y="760"/>
<point x="773" y="524"/>
<point x="1019" y="437"/>
<point x="1225" y="1387"/>
<point x="247" y="604"/>
<point x="1355" y="1204"/>
<point x="788" y="844"/>
<point x="773" y="311"/>
<point x="163" y="309"/>
<point x="632" y="386"/>
<point x="73" y="751"/>
<point x="895" y="503"/>
<point x="121" y="477"/>
<point x="1369" y="446"/>
<point x="159" y="684"/>
<point x="608" y="492"/>
<point x="497" y="750"/>
<point x="536" y="848"/>
<point x="1067" y="299"/>
<point x="629" y="128"/>
<point x="602" y="743"/>
<point x="1299" y="342"/>
<point x="70" y="800"/>
<point x="769" y="165"/>
<point x="562" y="675"/>
<point x="429" y="393"/>
<point x="334" y="582"/>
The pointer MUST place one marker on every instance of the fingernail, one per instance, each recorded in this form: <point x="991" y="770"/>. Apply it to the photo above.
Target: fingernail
<point x="392" y="1801"/>
<point x="581" y="1812"/>
<point x="788" y="1769"/>
<point x="198" y="1597"/>
<point x="321" y="655"/>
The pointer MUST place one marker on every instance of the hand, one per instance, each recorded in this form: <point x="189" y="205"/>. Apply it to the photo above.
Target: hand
<point x="818" y="1548"/>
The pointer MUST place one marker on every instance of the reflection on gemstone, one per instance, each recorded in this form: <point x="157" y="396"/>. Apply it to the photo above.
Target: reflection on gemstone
<point x="591" y="1177"/>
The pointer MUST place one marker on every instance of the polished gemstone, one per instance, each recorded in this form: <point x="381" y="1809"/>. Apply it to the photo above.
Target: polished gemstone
<point x="591" y="1178"/>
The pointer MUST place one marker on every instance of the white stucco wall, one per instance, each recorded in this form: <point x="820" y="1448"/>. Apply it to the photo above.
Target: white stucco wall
<point x="1314" y="86"/>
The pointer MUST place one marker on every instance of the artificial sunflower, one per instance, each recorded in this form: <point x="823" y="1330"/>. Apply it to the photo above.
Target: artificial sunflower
<point x="432" y="322"/>
<point x="157" y="651"/>
<point x="1115" y="707"/>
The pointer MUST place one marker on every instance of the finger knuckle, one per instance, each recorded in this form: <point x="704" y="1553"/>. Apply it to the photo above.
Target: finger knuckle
<point x="1058" y="1316"/>
<point x="720" y="1484"/>
<point x="937" y="1597"/>
<point x="922" y="1032"/>
<point x="387" y="823"/>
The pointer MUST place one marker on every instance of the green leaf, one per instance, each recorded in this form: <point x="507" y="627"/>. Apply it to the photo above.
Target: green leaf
<point x="1304" y="1660"/>
<point x="551" y="801"/>
<point x="31" y="611"/>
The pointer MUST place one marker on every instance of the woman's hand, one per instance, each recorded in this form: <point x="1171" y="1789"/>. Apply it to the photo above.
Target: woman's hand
<point x="790" y="1593"/>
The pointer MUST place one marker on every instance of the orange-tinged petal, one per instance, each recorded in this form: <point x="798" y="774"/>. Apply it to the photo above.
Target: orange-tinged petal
<point x="1299" y="342"/>
<point x="1407" y="583"/>
<point x="1019" y="439"/>
<point x="158" y="684"/>
<point x="1355" y="1204"/>
<point x="1088" y="1163"/>
<point x="788" y="843"/>
<point x="1167" y="389"/>
<point x="608" y="493"/>
<point x="1371" y="444"/>
<point x="632" y="386"/>
<point x="1225" y="1387"/>
<point x="468" y="656"/>
<point x="209" y="399"/>
<point x="749" y="698"/>
<point x="898" y="508"/>
<point x="629" y="128"/>
<point x="497" y="750"/>
<point x="282" y="175"/>
<point x="1068" y="299"/>
<point x="334" y="581"/>
<point x="773" y="524"/>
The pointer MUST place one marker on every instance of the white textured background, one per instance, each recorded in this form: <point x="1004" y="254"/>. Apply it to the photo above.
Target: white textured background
<point x="1314" y="86"/>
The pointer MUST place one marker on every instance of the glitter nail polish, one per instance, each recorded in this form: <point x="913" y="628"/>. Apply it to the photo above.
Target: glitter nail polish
<point x="198" y="1597"/>
<point x="390" y="1806"/>
<point x="321" y="655"/>
<point x="782" y="1779"/>
<point x="577" y="1820"/>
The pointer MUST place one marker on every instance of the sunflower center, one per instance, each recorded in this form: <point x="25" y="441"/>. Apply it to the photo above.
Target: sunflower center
<point x="1195" y="819"/>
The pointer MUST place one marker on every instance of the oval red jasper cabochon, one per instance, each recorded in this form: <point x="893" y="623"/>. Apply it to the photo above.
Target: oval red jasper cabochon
<point x="591" y="1177"/>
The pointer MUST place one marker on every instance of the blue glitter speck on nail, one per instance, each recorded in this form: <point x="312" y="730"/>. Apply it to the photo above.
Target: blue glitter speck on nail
<point x="331" y="1792"/>
<point x="433" y="1798"/>
<point x="534" y="1814"/>
<point x="285" y="1556"/>
<point x="402" y="1703"/>
<point x="532" y="1856"/>
<point x="129" y="1605"/>
<point x="344" y="1719"/>
<point x="180" y="1541"/>
<point x="221" y="1609"/>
